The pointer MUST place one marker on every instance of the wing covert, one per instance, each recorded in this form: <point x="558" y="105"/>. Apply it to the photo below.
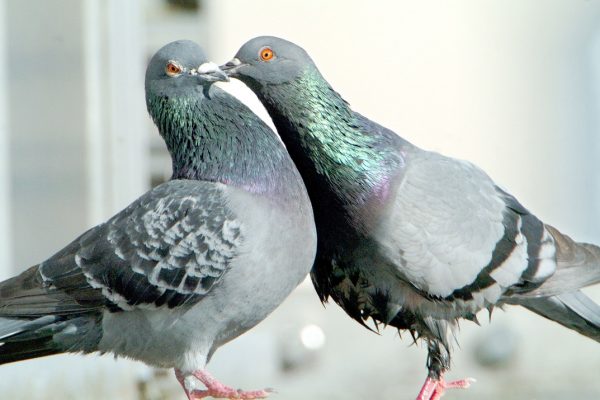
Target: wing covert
<point x="168" y="248"/>
<point x="457" y="237"/>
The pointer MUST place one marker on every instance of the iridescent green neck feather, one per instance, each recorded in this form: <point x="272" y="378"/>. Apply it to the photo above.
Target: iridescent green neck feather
<point x="345" y="159"/>
<point x="218" y="139"/>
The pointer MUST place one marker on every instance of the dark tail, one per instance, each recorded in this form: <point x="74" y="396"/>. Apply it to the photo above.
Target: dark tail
<point x="22" y="339"/>
<point x="573" y="310"/>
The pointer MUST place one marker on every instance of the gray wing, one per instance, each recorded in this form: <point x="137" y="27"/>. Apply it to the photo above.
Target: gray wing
<point x="457" y="238"/>
<point x="464" y="244"/>
<point x="167" y="249"/>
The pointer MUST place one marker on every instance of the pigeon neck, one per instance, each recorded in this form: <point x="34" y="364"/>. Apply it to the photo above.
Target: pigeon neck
<point x="220" y="140"/>
<point x="339" y="157"/>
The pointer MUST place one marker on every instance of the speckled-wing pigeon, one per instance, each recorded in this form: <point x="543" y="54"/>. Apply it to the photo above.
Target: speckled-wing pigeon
<point x="191" y="264"/>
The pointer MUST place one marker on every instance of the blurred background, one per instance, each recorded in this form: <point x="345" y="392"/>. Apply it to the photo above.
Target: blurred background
<point x="512" y="85"/>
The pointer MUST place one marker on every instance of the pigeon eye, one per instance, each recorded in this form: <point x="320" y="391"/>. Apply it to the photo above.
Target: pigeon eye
<point x="266" y="54"/>
<point x="172" y="69"/>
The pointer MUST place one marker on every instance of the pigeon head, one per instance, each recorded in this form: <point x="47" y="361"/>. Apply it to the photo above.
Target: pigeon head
<point x="209" y="134"/>
<point x="181" y="68"/>
<point x="268" y="60"/>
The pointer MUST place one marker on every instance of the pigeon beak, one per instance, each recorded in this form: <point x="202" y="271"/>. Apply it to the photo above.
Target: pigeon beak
<point x="210" y="72"/>
<point x="232" y="66"/>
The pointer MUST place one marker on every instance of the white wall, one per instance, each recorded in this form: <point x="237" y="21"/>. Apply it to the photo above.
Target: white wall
<point x="75" y="71"/>
<point x="5" y="237"/>
<point x="117" y="156"/>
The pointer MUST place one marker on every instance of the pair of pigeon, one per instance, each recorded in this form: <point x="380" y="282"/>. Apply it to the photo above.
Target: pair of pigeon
<point x="406" y="237"/>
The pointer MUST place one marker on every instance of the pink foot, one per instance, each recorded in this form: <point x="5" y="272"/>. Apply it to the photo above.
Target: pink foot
<point x="217" y="390"/>
<point x="434" y="389"/>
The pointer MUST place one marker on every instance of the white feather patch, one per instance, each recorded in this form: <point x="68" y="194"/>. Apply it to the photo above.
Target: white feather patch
<point x="510" y="271"/>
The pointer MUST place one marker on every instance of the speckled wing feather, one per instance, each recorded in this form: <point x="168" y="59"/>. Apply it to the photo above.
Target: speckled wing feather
<point x="167" y="249"/>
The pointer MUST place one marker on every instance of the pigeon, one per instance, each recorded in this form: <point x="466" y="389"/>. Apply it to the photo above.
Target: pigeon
<point x="407" y="237"/>
<point x="191" y="264"/>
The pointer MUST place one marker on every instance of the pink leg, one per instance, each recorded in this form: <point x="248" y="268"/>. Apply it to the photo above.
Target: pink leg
<point x="428" y="389"/>
<point x="216" y="389"/>
<point x="181" y="379"/>
<point x="434" y="389"/>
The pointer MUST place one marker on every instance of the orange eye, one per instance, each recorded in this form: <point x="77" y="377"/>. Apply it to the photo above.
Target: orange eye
<point x="172" y="69"/>
<point x="266" y="54"/>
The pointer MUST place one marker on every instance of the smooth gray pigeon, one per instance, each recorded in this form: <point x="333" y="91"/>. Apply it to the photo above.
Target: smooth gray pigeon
<point x="408" y="237"/>
<point x="190" y="265"/>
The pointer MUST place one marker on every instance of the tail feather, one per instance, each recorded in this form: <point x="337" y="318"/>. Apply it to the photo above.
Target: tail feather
<point x="573" y="310"/>
<point x="578" y="265"/>
<point x="22" y="339"/>
<point x="12" y="327"/>
<point x="19" y="351"/>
